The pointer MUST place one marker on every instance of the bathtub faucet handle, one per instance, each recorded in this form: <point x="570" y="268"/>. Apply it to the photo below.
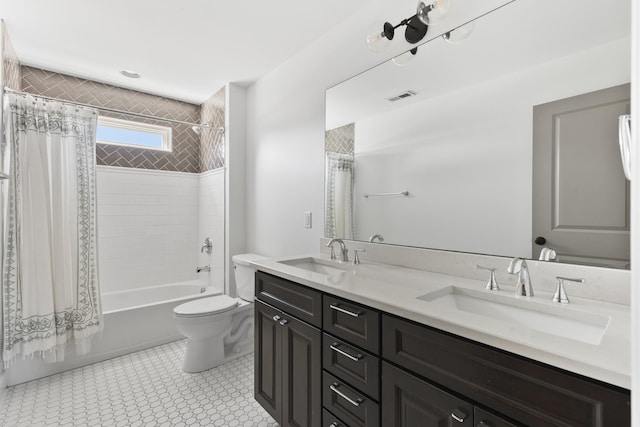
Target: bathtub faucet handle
<point x="207" y="247"/>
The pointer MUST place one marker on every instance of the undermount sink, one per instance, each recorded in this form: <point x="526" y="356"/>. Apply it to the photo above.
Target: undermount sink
<point x="523" y="313"/>
<point x="318" y="265"/>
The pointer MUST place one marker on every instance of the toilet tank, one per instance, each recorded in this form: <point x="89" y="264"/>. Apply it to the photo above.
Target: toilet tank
<point x="245" y="275"/>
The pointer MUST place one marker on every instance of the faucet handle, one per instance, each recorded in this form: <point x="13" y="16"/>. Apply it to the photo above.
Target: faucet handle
<point x="492" y="284"/>
<point x="560" y="295"/>
<point x="333" y="253"/>
<point x="356" y="258"/>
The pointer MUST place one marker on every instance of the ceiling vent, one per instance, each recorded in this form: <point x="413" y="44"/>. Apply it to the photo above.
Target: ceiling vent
<point x="403" y="95"/>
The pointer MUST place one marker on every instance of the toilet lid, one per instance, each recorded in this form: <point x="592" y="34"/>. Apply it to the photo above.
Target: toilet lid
<point x="210" y="305"/>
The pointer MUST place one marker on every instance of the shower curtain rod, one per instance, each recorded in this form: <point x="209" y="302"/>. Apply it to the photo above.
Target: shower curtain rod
<point x="110" y="110"/>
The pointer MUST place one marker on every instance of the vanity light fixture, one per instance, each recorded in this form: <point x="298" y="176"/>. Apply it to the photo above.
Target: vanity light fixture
<point x="428" y="12"/>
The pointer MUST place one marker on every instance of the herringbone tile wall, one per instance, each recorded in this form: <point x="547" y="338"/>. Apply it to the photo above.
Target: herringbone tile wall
<point x="185" y="156"/>
<point x="10" y="63"/>
<point x="212" y="141"/>
<point x="340" y="140"/>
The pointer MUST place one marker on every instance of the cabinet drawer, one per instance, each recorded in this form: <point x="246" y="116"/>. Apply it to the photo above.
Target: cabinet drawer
<point x="408" y="401"/>
<point x="290" y="297"/>
<point x="482" y="418"/>
<point x="354" y="408"/>
<point x="527" y="391"/>
<point x="353" y="322"/>
<point x="356" y="367"/>
<point x="330" y="420"/>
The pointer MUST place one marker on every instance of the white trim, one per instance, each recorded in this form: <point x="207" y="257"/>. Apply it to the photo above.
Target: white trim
<point x="635" y="213"/>
<point x="141" y="171"/>
<point x="213" y="172"/>
<point x="165" y="132"/>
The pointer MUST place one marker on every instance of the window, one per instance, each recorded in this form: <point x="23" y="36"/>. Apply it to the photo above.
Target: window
<point x="133" y="134"/>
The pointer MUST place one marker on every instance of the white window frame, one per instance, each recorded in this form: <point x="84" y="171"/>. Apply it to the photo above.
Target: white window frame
<point x="164" y="131"/>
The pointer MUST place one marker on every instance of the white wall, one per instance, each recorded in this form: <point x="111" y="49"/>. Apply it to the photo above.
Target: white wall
<point x="466" y="161"/>
<point x="151" y="225"/>
<point x="285" y="125"/>
<point x="211" y="224"/>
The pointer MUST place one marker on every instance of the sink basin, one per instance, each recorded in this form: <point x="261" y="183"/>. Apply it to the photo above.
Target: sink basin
<point x="317" y="265"/>
<point x="526" y="314"/>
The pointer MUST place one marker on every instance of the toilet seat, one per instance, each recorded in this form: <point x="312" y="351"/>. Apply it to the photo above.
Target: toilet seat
<point x="206" y="306"/>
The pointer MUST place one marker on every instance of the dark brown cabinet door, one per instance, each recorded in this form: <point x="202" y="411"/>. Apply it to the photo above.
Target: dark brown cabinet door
<point x="407" y="401"/>
<point x="301" y="370"/>
<point x="268" y="359"/>
<point x="288" y="366"/>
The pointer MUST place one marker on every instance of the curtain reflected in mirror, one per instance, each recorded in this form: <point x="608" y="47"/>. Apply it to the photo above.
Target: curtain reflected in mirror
<point x="339" y="203"/>
<point x="339" y="182"/>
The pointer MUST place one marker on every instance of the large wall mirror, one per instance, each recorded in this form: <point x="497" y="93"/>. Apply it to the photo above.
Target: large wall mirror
<point x="440" y="152"/>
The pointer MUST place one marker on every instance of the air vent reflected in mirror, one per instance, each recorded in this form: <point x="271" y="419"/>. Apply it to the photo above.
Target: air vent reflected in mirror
<point x="403" y="95"/>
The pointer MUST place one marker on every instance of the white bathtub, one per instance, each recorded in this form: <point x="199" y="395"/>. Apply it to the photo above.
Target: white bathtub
<point x="133" y="320"/>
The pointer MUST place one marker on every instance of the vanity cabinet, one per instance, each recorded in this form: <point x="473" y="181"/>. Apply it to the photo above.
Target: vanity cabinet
<point x="287" y="356"/>
<point x="339" y="363"/>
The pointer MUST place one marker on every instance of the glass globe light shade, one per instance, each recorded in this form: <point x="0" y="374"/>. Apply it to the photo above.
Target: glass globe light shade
<point x="405" y="58"/>
<point x="433" y="11"/>
<point x="459" y="34"/>
<point x="376" y="39"/>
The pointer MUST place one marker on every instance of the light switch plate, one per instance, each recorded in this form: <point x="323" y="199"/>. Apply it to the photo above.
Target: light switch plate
<point x="307" y="220"/>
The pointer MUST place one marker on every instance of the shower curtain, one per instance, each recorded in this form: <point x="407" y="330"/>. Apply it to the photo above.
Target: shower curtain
<point x="50" y="289"/>
<point x="339" y="195"/>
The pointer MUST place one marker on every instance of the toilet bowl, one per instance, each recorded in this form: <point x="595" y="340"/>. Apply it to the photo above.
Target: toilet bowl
<point x="219" y="328"/>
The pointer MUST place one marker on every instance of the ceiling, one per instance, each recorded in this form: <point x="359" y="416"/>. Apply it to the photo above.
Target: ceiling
<point x="183" y="49"/>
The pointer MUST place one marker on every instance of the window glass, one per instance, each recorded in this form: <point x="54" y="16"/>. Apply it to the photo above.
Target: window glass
<point x="135" y="134"/>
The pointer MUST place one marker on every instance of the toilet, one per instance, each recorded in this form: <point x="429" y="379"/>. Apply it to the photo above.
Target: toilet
<point x="219" y="328"/>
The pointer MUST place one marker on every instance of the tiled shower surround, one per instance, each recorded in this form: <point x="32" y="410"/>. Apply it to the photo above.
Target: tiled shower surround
<point x="10" y="63"/>
<point x="212" y="141"/>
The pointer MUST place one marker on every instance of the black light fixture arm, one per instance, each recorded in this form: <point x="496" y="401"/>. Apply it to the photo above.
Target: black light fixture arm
<point x="415" y="31"/>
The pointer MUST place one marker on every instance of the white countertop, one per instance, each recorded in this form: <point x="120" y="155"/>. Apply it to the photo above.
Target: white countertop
<point x="395" y="289"/>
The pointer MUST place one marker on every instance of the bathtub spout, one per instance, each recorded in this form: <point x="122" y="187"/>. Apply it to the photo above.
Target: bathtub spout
<point x="205" y="268"/>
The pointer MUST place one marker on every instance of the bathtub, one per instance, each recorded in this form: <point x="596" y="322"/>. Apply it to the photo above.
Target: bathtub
<point x="145" y="315"/>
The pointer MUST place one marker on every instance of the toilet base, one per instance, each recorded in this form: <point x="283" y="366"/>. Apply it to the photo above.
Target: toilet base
<point x="201" y="355"/>
<point x="233" y="341"/>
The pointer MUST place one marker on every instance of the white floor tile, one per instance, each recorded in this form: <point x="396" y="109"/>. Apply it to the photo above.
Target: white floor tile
<point x="147" y="388"/>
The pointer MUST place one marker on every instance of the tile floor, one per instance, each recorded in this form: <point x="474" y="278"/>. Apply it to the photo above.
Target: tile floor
<point x="147" y="388"/>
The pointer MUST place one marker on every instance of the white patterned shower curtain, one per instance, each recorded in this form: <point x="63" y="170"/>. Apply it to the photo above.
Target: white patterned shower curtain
<point x="50" y="289"/>
<point x="339" y="195"/>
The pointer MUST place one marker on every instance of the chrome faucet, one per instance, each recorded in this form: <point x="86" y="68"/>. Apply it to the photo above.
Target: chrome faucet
<point x="547" y="254"/>
<point x="344" y="256"/>
<point x="205" y="268"/>
<point x="518" y="266"/>
<point x="376" y="236"/>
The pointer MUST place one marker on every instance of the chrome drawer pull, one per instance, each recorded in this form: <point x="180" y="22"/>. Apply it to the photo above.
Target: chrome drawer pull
<point x="335" y="348"/>
<point x="276" y="318"/>
<point x="342" y="310"/>
<point x="283" y="322"/>
<point x="334" y="388"/>
<point x="334" y="424"/>
<point x="458" y="415"/>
